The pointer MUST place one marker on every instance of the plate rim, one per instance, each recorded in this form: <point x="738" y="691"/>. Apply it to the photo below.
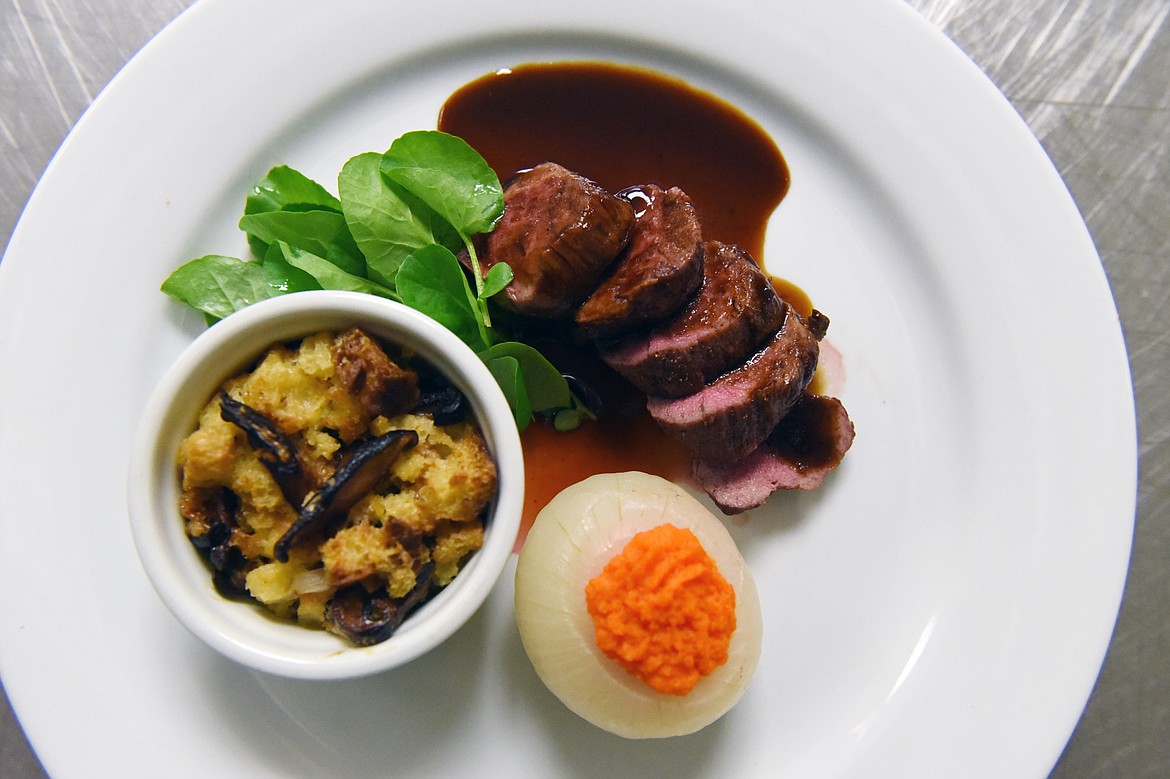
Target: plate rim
<point x="208" y="8"/>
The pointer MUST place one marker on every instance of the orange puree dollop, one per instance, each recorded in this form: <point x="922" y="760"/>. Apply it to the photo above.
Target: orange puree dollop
<point x="662" y="610"/>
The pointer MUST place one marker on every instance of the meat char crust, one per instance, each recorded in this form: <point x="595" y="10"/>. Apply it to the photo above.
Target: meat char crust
<point x="734" y="311"/>
<point x="659" y="270"/>
<point x="733" y="415"/>
<point x="696" y="325"/>
<point x="559" y="233"/>
<point x="807" y="444"/>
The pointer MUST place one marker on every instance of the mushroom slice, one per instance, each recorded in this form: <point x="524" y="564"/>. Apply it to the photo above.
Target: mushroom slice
<point x="586" y="393"/>
<point x="276" y="451"/>
<point x="231" y="571"/>
<point x="367" y="618"/>
<point x="210" y="513"/>
<point x="440" y="399"/>
<point x="358" y="474"/>
<point x="446" y="405"/>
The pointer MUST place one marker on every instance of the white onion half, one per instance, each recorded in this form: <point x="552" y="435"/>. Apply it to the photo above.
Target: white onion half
<point x="571" y="540"/>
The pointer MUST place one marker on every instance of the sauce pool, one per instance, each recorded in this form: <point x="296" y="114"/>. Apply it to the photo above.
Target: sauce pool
<point x="624" y="437"/>
<point x="621" y="126"/>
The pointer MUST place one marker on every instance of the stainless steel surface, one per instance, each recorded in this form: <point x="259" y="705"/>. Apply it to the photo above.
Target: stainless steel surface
<point x="1091" y="78"/>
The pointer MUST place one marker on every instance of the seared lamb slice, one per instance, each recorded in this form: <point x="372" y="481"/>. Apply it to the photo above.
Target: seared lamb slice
<point x="559" y="233"/>
<point x="733" y="313"/>
<point x="733" y="415"/>
<point x="801" y="451"/>
<point x="659" y="270"/>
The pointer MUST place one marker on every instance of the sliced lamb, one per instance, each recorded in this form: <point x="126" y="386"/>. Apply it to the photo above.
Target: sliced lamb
<point x="559" y="233"/>
<point x="807" y="444"/>
<point x="660" y="269"/>
<point x="733" y="313"/>
<point x="733" y="415"/>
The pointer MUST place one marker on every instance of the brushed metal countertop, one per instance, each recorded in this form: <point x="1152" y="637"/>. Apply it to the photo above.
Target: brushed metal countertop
<point x="1092" y="80"/>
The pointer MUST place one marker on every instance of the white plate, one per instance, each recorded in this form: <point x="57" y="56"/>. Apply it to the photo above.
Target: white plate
<point x="940" y="608"/>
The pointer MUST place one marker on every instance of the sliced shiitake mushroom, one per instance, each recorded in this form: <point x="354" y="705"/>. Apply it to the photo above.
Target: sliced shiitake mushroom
<point x="367" y="618"/>
<point x="440" y="399"/>
<point x="586" y="393"/>
<point x="365" y="465"/>
<point x="446" y="405"/>
<point x="210" y="513"/>
<point x="231" y="571"/>
<point x="276" y="451"/>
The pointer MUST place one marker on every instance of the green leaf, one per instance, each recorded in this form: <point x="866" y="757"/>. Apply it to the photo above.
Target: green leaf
<point x="218" y="285"/>
<point x="323" y="233"/>
<point x="569" y="419"/>
<point x="546" y="388"/>
<point x="287" y="189"/>
<point x="393" y="231"/>
<point x="328" y="275"/>
<point x="449" y="176"/>
<point x="498" y="276"/>
<point x="432" y="281"/>
<point x="508" y="375"/>
<point x="386" y="221"/>
<point x="284" y="276"/>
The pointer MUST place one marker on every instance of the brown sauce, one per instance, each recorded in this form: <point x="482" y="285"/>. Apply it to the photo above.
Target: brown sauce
<point x="625" y="437"/>
<point x="621" y="127"/>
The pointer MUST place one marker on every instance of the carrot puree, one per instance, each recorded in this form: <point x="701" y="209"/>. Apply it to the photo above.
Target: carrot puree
<point x="662" y="610"/>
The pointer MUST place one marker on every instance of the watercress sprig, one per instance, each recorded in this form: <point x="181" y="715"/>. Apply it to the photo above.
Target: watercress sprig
<point x="452" y="178"/>
<point x="394" y="230"/>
